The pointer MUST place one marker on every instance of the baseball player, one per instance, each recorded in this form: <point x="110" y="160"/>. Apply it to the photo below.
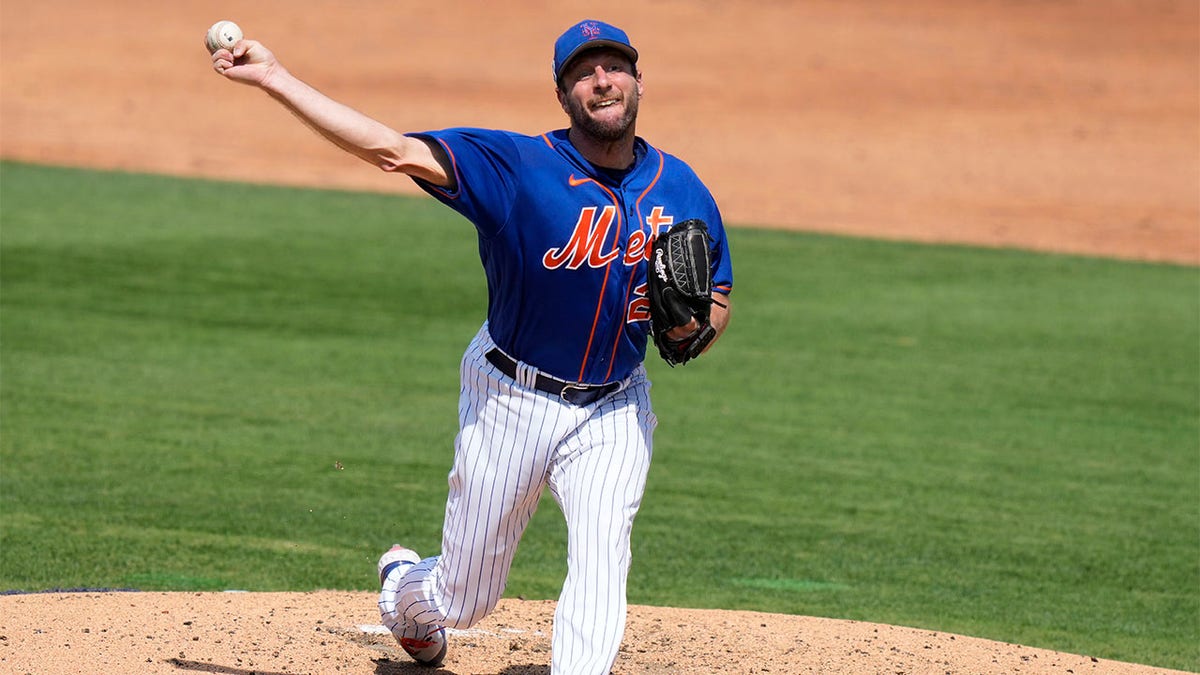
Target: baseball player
<point x="553" y="387"/>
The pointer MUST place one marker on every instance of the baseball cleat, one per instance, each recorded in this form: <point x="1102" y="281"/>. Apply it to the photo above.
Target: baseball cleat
<point x="428" y="652"/>
<point x="395" y="557"/>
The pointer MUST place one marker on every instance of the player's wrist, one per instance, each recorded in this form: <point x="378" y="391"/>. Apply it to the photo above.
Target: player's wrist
<point x="278" y="81"/>
<point x="684" y="332"/>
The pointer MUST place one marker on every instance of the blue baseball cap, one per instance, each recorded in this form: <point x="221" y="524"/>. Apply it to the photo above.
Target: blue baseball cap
<point x="589" y="34"/>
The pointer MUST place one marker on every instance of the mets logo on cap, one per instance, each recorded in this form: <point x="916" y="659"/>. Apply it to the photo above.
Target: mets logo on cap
<point x="589" y="34"/>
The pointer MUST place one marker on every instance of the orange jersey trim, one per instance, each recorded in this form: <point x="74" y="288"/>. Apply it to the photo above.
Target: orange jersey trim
<point x="637" y="205"/>
<point x="576" y="182"/>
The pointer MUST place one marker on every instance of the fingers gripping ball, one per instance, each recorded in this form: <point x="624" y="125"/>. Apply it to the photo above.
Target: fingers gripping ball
<point x="222" y="35"/>
<point x="679" y="288"/>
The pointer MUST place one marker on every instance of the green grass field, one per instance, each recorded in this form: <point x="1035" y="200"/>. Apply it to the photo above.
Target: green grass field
<point x="212" y="386"/>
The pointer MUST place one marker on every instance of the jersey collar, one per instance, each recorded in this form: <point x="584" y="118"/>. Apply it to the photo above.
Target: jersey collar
<point x="561" y="142"/>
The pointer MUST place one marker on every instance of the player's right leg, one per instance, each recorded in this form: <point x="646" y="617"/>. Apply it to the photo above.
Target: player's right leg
<point x="425" y="643"/>
<point x="502" y="453"/>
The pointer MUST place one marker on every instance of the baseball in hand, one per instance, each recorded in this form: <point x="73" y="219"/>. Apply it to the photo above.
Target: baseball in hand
<point x="222" y="35"/>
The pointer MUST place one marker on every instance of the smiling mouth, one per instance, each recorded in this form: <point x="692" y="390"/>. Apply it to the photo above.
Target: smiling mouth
<point x="607" y="103"/>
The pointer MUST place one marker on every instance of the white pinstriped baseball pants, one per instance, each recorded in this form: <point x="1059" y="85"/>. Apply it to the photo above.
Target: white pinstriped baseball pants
<point x="513" y="441"/>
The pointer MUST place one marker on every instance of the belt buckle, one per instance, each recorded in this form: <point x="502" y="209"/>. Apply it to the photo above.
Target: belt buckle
<point x="573" y="389"/>
<point x="586" y="394"/>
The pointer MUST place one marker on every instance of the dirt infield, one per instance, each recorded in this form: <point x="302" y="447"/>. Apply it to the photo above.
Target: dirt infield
<point x="333" y="632"/>
<point x="1066" y="125"/>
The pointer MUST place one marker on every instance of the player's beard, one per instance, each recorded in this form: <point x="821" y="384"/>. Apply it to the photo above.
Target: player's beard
<point x="604" y="130"/>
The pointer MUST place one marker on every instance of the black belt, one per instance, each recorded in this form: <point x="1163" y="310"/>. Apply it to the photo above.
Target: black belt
<point x="571" y="392"/>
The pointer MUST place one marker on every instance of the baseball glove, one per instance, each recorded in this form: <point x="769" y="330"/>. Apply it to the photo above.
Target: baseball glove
<point x="679" y="288"/>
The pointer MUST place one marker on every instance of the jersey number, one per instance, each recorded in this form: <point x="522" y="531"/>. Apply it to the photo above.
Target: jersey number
<point x="639" y="308"/>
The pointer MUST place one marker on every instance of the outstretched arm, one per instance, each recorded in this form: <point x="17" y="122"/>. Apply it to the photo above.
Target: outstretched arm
<point x="249" y="62"/>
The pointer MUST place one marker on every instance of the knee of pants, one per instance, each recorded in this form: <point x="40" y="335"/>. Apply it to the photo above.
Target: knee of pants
<point x="464" y="615"/>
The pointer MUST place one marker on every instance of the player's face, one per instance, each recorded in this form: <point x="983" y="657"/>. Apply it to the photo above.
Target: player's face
<point x="600" y="91"/>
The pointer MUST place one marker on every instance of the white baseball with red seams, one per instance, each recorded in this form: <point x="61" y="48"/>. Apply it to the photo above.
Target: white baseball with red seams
<point x="222" y="35"/>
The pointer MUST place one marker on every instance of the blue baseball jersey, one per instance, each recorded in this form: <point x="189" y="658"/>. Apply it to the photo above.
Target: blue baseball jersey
<point x="564" y="244"/>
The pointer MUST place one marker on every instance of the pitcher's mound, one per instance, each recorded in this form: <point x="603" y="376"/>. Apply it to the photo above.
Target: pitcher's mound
<point x="339" y="632"/>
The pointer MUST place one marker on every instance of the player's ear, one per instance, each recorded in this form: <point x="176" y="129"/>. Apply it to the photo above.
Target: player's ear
<point x="562" y="99"/>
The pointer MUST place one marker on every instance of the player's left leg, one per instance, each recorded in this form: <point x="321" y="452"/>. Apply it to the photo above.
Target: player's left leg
<point x="598" y="479"/>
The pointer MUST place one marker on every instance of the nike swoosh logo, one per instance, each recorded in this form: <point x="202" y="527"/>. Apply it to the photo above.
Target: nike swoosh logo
<point x="576" y="182"/>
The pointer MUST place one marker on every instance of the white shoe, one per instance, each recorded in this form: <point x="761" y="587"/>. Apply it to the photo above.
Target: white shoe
<point x="395" y="557"/>
<point x="430" y="650"/>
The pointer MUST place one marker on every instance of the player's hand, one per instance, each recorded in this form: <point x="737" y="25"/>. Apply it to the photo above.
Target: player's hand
<point x="249" y="62"/>
<point x="684" y="332"/>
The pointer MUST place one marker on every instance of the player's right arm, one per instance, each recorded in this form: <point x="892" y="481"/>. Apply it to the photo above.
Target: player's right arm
<point x="370" y="140"/>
